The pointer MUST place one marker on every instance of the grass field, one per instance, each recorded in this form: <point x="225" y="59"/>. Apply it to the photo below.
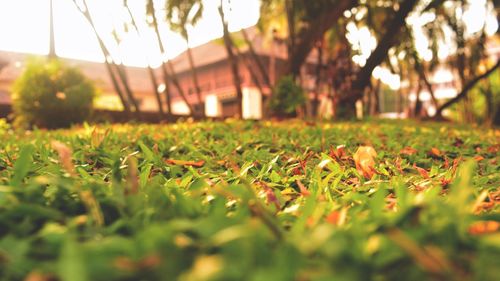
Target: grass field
<point x="250" y="201"/>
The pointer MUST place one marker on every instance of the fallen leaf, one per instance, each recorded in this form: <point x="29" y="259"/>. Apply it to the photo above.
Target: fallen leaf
<point x="478" y="158"/>
<point x="333" y="218"/>
<point x="64" y="153"/>
<point x="337" y="152"/>
<point x="408" y="151"/>
<point x="185" y="163"/>
<point x="423" y="172"/>
<point x="365" y="161"/>
<point x="436" y="152"/>
<point x="458" y="142"/>
<point x="303" y="189"/>
<point x="494" y="148"/>
<point x="484" y="227"/>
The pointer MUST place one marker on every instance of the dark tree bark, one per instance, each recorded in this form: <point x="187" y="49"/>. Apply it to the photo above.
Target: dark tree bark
<point x="152" y="76"/>
<point x="166" y="76"/>
<point x="248" y="65"/>
<point x="256" y="59"/>
<point x="166" y="80"/>
<point x="194" y="75"/>
<point x="389" y="39"/>
<point x="317" y="86"/>
<point x="418" y="104"/>
<point x="122" y="74"/>
<point x="302" y="42"/>
<point x="233" y="60"/>
<point x="419" y="67"/>
<point x="177" y="85"/>
<point x="107" y="57"/>
<point x="466" y="90"/>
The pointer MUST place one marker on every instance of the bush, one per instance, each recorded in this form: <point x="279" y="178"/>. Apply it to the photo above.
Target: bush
<point x="52" y="95"/>
<point x="287" y="96"/>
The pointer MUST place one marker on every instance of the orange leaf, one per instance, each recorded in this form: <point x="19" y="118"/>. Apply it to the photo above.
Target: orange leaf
<point x="408" y="150"/>
<point x="303" y="190"/>
<point x="436" y="152"/>
<point x="423" y="172"/>
<point x="484" y="227"/>
<point x="333" y="218"/>
<point x="64" y="156"/>
<point x="478" y="158"/>
<point x="365" y="161"/>
<point x="185" y="163"/>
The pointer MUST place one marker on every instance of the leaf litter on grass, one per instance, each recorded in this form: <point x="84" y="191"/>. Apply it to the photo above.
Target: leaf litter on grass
<point x="251" y="201"/>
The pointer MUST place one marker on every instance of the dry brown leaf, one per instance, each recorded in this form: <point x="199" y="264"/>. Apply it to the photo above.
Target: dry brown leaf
<point x="64" y="153"/>
<point x="365" y="161"/>
<point x="423" y="172"/>
<point x="338" y="152"/>
<point x="408" y="151"/>
<point x="303" y="190"/>
<point x="186" y="163"/>
<point x="484" y="227"/>
<point x="436" y="152"/>
<point x="478" y="158"/>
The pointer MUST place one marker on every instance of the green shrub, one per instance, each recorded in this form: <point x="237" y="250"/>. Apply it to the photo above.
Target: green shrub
<point x="51" y="95"/>
<point x="287" y="96"/>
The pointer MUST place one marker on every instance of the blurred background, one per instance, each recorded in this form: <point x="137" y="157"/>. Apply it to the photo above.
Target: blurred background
<point x="157" y="60"/>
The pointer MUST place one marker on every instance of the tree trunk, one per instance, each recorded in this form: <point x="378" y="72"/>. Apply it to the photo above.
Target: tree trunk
<point x="107" y="57"/>
<point x="151" y="73"/>
<point x="388" y="40"/>
<point x="120" y="69"/>
<point x="303" y="42"/>
<point x="155" y="85"/>
<point x="256" y="58"/>
<point x="466" y="90"/>
<point x="419" y="67"/>
<point x="290" y="16"/>
<point x="166" y="80"/>
<point x="177" y="85"/>
<point x="248" y="65"/>
<point x="375" y="106"/>
<point x="194" y="75"/>
<point x="317" y="86"/>
<point x="233" y="60"/>
<point x="173" y="75"/>
<point x="418" y="103"/>
<point x="52" y="41"/>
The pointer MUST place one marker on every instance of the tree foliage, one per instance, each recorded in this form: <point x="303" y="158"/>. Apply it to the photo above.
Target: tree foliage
<point x="52" y="95"/>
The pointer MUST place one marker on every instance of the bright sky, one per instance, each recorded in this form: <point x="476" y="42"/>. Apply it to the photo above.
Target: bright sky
<point x="24" y="27"/>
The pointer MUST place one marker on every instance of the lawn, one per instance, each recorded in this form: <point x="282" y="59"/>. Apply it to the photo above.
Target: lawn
<point x="250" y="201"/>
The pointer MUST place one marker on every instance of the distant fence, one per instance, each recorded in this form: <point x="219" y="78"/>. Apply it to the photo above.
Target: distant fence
<point x="111" y="116"/>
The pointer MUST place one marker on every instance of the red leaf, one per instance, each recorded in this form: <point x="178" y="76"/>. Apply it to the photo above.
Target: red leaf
<point x="338" y="152"/>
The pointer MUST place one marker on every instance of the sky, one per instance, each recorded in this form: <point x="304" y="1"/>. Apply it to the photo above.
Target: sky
<point x="24" y="27"/>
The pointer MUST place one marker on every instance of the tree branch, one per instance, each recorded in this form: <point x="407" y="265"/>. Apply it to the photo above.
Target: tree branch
<point x="466" y="89"/>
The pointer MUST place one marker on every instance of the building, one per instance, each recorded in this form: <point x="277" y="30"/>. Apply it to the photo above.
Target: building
<point x="214" y="75"/>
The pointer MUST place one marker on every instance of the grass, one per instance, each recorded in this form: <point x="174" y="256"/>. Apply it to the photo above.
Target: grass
<point x="250" y="201"/>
